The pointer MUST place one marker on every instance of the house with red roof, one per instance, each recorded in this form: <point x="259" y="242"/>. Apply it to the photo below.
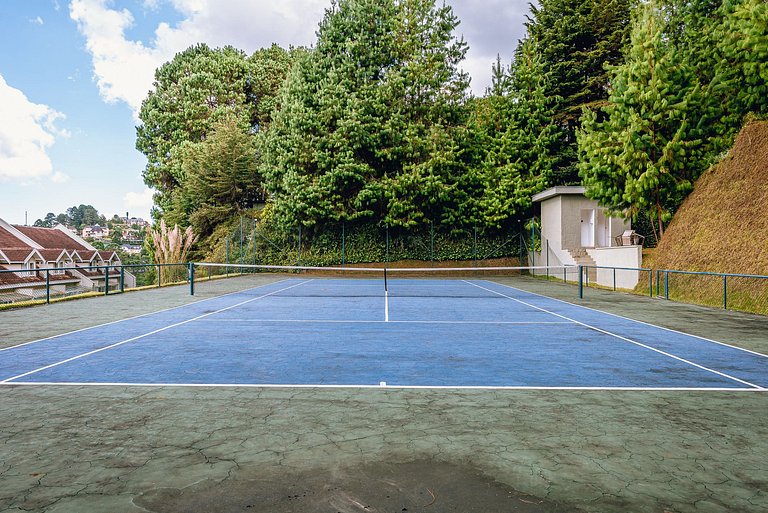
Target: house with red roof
<point x="35" y="262"/>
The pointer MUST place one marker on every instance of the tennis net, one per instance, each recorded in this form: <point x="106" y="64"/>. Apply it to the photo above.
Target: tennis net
<point x="378" y="280"/>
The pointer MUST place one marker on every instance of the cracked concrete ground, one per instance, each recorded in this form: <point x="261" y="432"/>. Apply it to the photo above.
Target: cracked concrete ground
<point x="138" y="449"/>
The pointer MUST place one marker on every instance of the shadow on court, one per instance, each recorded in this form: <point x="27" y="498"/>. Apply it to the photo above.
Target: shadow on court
<point x="415" y="487"/>
<point x="161" y="449"/>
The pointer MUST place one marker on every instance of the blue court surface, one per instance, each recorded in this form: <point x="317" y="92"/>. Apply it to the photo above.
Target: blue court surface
<point x="422" y="333"/>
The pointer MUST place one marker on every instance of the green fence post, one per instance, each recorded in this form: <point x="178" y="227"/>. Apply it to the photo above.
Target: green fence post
<point x="432" y="243"/>
<point x="191" y="279"/>
<point x="158" y="276"/>
<point x="581" y="282"/>
<point x="106" y="280"/>
<point x="47" y="286"/>
<point x="122" y="278"/>
<point x="725" y="292"/>
<point x="650" y="281"/>
<point x="298" y="256"/>
<point x="666" y="285"/>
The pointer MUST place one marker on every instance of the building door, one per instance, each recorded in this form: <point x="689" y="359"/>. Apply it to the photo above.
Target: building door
<point x="587" y="228"/>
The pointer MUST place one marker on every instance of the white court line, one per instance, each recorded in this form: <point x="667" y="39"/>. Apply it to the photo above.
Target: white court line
<point x="140" y="315"/>
<point x="385" y="387"/>
<point x="630" y="319"/>
<point x="358" y="321"/>
<point x="164" y="328"/>
<point x="670" y="355"/>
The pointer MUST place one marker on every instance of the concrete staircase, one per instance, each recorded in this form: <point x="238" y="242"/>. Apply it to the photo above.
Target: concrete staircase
<point x="581" y="257"/>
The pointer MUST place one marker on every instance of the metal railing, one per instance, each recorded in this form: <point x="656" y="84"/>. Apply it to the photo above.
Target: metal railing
<point x="746" y="292"/>
<point x="626" y="279"/>
<point x="21" y="287"/>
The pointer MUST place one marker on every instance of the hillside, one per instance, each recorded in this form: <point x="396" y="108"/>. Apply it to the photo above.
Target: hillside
<point x="723" y="225"/>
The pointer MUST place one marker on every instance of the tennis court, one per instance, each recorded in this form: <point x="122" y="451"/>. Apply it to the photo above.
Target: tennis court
<point x="306" y="331"/>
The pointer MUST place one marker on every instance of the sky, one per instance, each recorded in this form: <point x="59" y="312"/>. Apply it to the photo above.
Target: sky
<point x="73" y="74"/>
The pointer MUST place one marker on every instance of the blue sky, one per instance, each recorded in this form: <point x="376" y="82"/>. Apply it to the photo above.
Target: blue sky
<point x="73" y="74"/>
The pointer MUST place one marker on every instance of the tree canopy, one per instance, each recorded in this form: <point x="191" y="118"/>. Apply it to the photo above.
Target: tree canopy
<point x="369" y="120"/>
<point x="374" y="124"/>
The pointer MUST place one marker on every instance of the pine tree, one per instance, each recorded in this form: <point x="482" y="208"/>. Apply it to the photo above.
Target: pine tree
<point x="519" y="134"/>
<point x="743" y="48"/>
<point x="577" y="41"/>
<point x="647" y="152"/>
<point x="367" y="121"/>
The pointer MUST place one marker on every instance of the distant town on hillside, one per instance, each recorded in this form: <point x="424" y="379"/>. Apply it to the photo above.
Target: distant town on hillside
<point x="120" y="233"/>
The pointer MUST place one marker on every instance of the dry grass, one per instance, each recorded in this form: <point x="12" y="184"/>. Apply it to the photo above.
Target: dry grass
<point x="723" y="227"/>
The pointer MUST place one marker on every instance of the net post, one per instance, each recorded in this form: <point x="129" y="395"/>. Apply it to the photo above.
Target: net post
<point x="666" y="285"/>
<point x="343" y="242"/>
<point x="47" y="286"/>
<point x="581" y="282"/>
<point x="191" y="279"/>
<point x="122" y="279"/>
<point x="386" y="259"/>
<point x="614" y="279"/>
<point x="106" y="280"/>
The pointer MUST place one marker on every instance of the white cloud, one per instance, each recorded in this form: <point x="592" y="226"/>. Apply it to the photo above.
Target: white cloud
<point x="27" y="131"/>
<point x="139" y="200"/>
<point x="37" y="21"/>
<point x="59" y="177"/>
<point x="124" y="69"/>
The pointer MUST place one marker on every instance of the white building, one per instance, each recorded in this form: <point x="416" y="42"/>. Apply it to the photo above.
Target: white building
<point x="575" y="230"/>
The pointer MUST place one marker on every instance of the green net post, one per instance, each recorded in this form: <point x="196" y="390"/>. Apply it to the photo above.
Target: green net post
<point x="106" y="280"/>
<point x="343" y="242"/>
<point x="191" y="279"/>
<point x="122" y="278"/>
<point x="725" y="292"/>
<point x="666" y="285"/>
<point x="581" y="282"/>
<point x="47" y="286"/>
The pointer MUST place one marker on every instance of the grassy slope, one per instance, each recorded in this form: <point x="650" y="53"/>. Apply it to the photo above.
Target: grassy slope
<point x="723" y="225"/>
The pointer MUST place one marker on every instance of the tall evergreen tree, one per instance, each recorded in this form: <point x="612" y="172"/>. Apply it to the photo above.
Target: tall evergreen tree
<point x="519" y="132"/>
<point x="647" y="152"/>
<point x="577" y="41"/>
<point x="192" y="92"/>
<point x="743" y="49"/>
<point x="222" y="177"/>
<point x="368" y="120"/>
